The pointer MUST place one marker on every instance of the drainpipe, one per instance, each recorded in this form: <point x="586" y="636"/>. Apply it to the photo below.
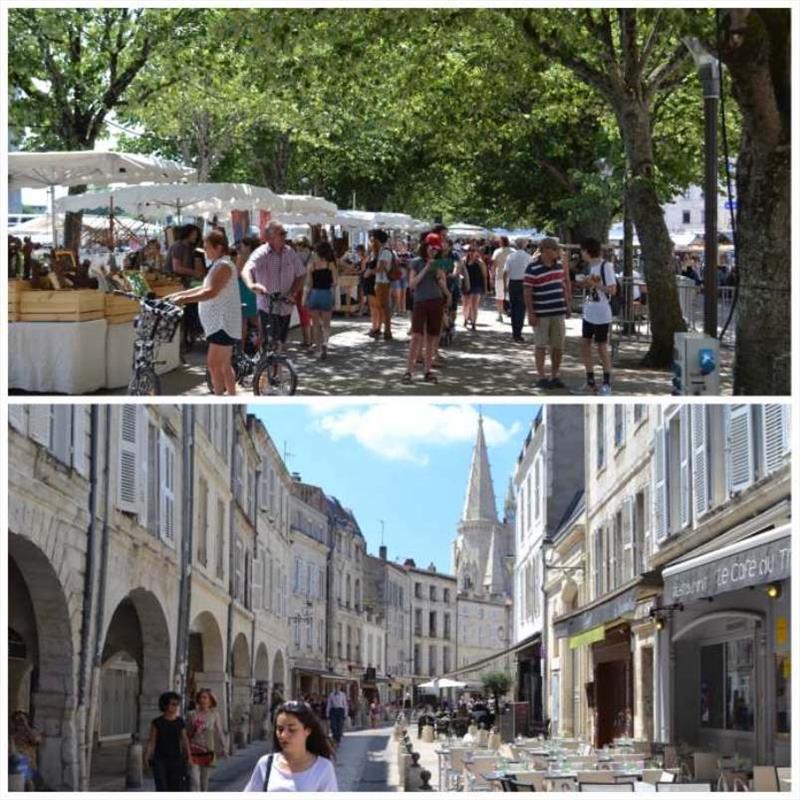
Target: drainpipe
<point x="94" y="689"/>
<point x="231" y="571"/>
<point x="254" y="511"/>
<point x="88" y="600"/>
<point x="187" y="527"/>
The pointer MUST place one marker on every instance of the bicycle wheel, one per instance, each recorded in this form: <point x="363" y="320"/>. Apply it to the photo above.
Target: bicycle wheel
<point x="276" y="375"/>
<point x="144" y="383"/>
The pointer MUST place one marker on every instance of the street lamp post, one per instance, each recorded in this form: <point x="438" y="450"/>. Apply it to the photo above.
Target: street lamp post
<point x="709" y="73"/>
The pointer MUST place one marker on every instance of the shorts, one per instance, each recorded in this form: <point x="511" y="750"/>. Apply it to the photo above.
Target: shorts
<point x="400" y="285"/>
<point x="275" y="325"/>
<point x="221" y="338"/>
<point x="550" y="332"/>
<point x="427" y="317"/>
<point x="320" y="300"/>
<point x="597" y="332"/>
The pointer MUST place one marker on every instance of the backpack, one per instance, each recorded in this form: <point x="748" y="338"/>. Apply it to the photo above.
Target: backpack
<point x="616" y="300"/>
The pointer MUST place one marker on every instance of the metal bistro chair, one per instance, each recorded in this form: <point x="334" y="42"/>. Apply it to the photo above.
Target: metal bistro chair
<point x="703" y="786"/>
<point x="528" y="782"/>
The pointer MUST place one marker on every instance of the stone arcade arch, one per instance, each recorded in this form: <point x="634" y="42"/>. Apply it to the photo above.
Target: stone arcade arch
<point x="279" y="674"/>
<point x="260" y="708"/>
<point x="207" y="659"/>
<point x="43" y="680"/>
<point x="241" y="694"/>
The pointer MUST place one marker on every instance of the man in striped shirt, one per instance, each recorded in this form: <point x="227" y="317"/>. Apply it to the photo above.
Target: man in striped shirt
<point x="547" y="294"/>
<point x="274" y="267"/>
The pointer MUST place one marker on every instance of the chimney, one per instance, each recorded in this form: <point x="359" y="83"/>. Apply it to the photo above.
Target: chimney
<point x="431" y="567"/>
<point x="296" y="477"/>
<point x="382" y="552"/>
<point x="409" y="562"/>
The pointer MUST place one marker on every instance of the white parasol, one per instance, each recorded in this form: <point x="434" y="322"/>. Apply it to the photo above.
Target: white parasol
<point x="78" y="167"/>
<point x="442" y="683"/>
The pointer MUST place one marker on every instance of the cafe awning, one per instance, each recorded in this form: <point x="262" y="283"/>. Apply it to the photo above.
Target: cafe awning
<point x="759" y="559"/>
<point x="619" y="605"/>
<point x="587" y="637"/>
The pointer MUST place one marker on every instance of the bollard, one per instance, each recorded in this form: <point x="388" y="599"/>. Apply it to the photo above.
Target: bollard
<point x="405" y="762"/>
<point x="425" y="777"/>
<point x="17" y="767"/>
<point x="414" y="779"/>
<point x="427" y="733"/>
<point x="134" y="768"/>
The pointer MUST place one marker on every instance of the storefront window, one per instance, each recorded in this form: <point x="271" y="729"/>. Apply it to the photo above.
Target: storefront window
<point x="740" y="685"/>
<point x="783" y="695"/>
<point x="727" y="685"/>
<point x="712" y="706"/>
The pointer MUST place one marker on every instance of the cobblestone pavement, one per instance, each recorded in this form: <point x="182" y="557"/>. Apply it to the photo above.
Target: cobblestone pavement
<point x="481" y="362"/>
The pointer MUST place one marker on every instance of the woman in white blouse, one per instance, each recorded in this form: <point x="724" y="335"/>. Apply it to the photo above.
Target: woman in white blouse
<point x="220" y="309"/>
<point x="301" y="757"/>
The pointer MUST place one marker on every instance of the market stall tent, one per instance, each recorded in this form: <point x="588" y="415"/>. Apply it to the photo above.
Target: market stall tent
<point x="79" y="167"/>
<point x="301" y="209"/>
<point x="462" y="230"/>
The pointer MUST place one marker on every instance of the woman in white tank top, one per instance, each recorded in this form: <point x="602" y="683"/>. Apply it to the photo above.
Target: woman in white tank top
<point x="220" y="309"/>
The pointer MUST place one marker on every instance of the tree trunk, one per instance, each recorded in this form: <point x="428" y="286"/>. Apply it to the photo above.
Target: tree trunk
<point x="73" y="221"/>
<point x="758" y="63"/>
<point x="656" y="247"/>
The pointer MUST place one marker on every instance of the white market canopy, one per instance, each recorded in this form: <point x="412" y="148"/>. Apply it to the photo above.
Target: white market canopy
<point x="463" y="230"/>
<point x="40" y="228"/>
<point x="301" y="209"/>
<point x="356" y="220"/>
<point x="196" y="199"/>
<point x="365" y="220"/>
<point x="442" y="683"/>
<point x="78" y="167"/>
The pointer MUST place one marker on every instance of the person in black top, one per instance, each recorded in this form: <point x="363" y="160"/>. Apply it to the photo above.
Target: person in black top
<point x="167" y="750"/>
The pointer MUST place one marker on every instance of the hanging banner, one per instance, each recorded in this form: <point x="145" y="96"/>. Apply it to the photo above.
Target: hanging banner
<point x="264" y="218"/>
<point x="240" y="222"/>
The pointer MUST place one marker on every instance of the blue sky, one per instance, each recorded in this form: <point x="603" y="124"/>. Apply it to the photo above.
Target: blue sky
<point x="402" y="462"/>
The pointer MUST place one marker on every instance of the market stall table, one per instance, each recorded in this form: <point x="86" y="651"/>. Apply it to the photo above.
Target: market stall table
<point x="119" y="355"/>
<point x="57" y="357"/>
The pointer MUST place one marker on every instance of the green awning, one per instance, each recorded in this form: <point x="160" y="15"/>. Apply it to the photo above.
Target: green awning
<point x="587" y="637"/>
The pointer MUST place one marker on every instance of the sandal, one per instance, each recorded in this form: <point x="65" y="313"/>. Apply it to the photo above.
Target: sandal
<point x="431" y="378"/>
<point x="406" y="378"/>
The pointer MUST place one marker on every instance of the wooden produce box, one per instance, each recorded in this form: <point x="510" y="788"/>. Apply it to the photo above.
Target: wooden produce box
<point x="16" y="286"/>
<point x="165" y="289"/>
<point x="65" y="305"/>
<point x="120" y="309"/>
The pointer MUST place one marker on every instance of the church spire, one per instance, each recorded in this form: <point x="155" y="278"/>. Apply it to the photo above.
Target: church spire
<point x="480" y="503"/>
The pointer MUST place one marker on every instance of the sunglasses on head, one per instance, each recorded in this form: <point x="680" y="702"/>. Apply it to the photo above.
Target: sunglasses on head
<point x="296" y="705"/>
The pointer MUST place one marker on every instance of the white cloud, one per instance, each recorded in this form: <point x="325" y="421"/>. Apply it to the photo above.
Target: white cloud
<point x="403" y="431"/>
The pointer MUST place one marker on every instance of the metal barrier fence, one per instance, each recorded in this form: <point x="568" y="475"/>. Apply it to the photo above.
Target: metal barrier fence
<point x="633" y="321"/>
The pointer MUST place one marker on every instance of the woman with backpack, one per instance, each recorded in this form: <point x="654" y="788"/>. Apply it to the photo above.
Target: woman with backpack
<point x="301" y="757"/>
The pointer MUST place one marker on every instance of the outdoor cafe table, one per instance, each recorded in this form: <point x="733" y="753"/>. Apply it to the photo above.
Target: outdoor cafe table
<point x="568" y="775"/>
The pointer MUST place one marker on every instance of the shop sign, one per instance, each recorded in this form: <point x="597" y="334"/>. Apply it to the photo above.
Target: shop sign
<point x="616" y="607"/>
<point x="781" y="627"/>
<point x="750" y="567"/>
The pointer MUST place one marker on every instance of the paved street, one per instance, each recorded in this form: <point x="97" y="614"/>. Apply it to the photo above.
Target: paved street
<point x="483" y="362"/>
<point x="365" y="762"/>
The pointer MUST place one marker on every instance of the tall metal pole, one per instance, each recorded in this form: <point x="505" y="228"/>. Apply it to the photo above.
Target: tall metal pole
<point x="711" y="104"/>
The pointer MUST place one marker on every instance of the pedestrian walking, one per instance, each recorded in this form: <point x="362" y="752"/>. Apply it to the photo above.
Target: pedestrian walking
<point x="303" y="250"/>
<point x="220" y="308"/>
<point x="207" y="739"/>
<point x="336" y="708"/>
<point x="499" y="257"/>
<point x="300" y="760"/>
<point x="321" y="280"/>
<point x="24" y="741"/>
<point x="546" y="292"/>
<point x="383" y="260"/>
<point x="513" y="274"/>
<point x="601" y="284"/>
<point x="249" y="302"/>
<point x="476" y="272"/>
<point x="167" y="750"/>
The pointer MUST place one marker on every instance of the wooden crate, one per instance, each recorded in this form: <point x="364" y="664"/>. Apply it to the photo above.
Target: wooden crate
<point x="166" y="289"/>
<point x="116" y="305"/>
<point x="65" y="305"/>
<point x="16" y="286"/>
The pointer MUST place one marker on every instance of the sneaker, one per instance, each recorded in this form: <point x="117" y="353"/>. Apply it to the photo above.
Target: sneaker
<point x="587" y="388"/>
<point x="542" y="383"/>
<point x="556" y="383"/>
<point x="605" y="390"/>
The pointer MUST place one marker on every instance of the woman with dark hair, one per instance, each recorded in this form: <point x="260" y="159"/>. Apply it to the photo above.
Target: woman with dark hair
<point x="476" y="271"/>
<point x="301" y="757"/>
<point x="220" y="308"/>
<point x="206" y="738"/>
<point x="321" y="279"/>
<point x="167" y="749"/>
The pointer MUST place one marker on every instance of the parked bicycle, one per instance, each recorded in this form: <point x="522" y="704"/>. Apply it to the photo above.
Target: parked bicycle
<point x="156" y="324"/>
<point x="268" y="371"/>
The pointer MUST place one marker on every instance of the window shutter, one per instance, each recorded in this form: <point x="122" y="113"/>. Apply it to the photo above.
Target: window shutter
<point x="39" y="424"/>
<point x="128" y="472"/>
<point x="81" y="440"/>
<point x="740" y="448"/>
<point x="659" y="499"/>
<point x="262" y="486"/>
<point x="685" y="481"/>
<point x="238" y="458"/>
<point x="167" y="474"/>
<point x="17" y="417"/>
<point x="776" y="436"/>
<point x="61" y="433"/>
<point x="628" y="544"/>
<point x="700" y="468"/>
